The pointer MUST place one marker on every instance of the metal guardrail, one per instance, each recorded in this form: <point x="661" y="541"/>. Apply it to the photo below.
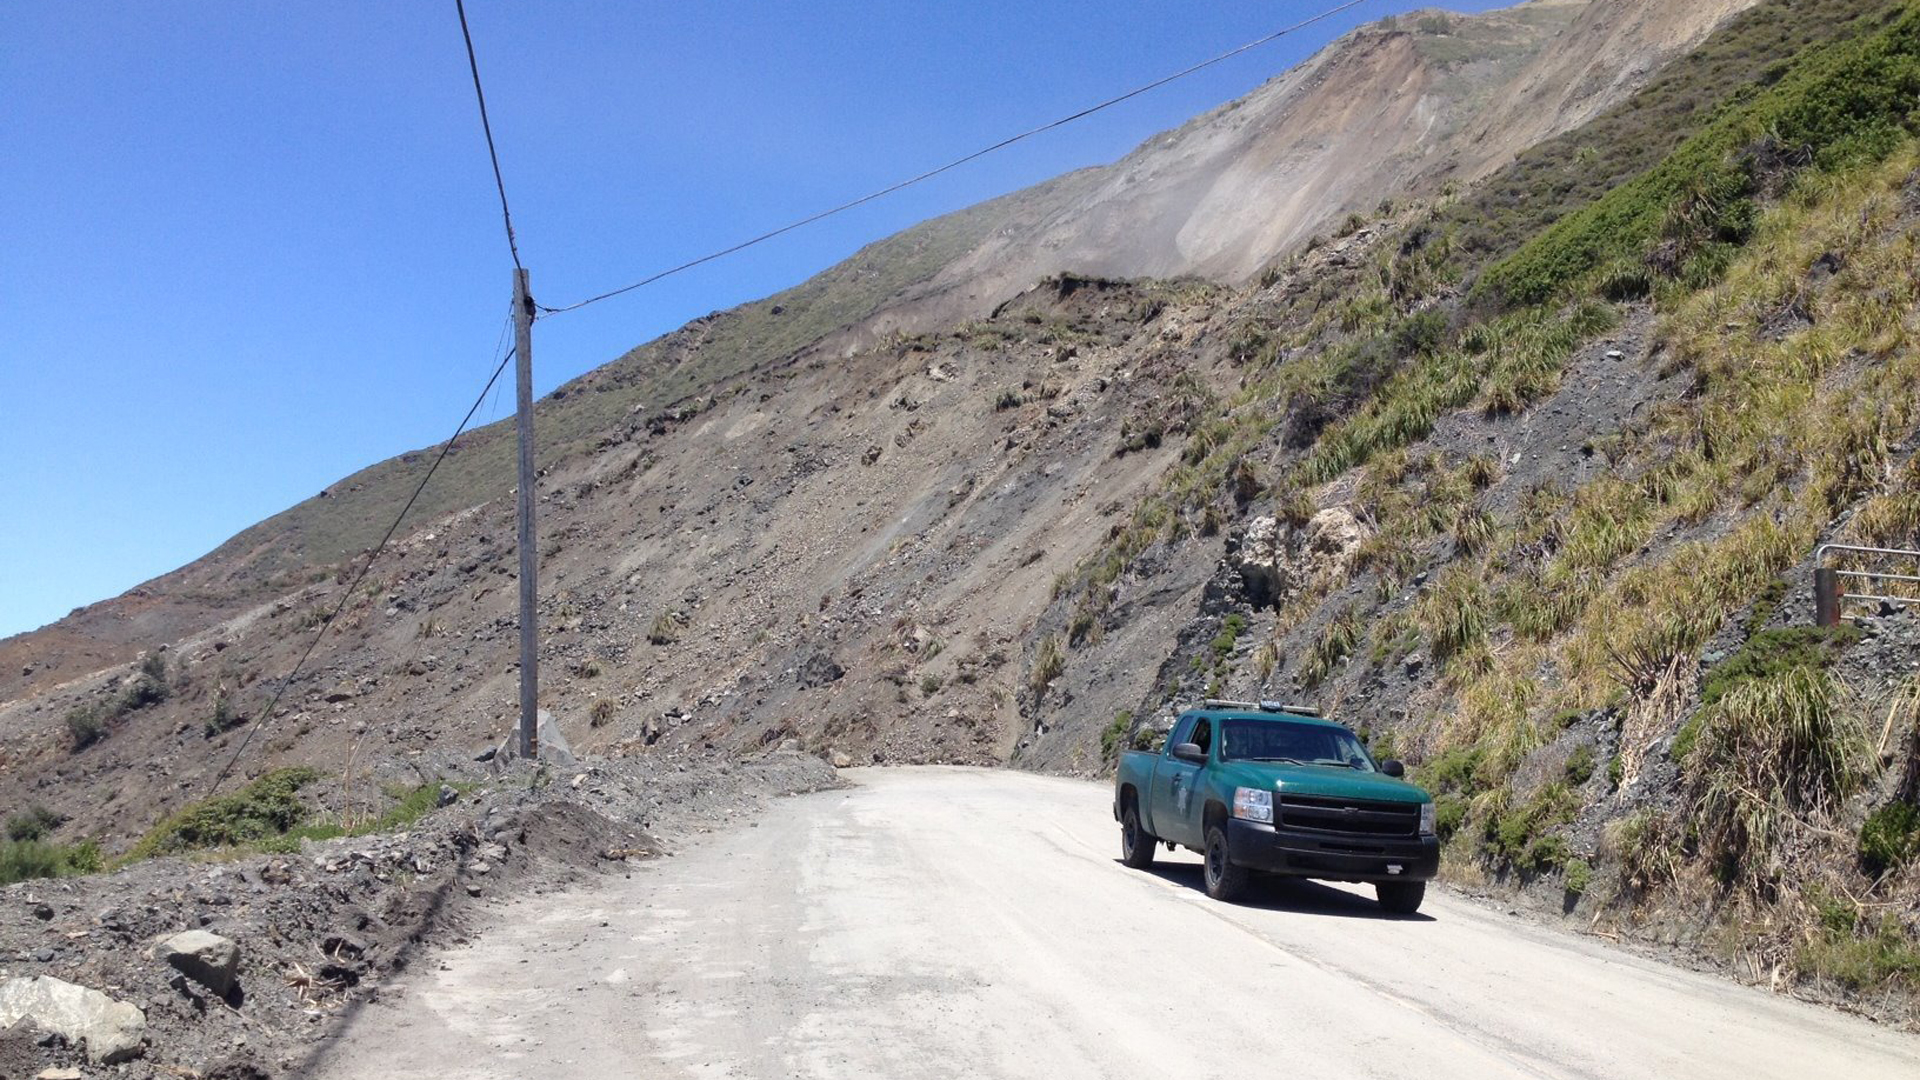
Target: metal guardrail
<point x="1832" y="584"/>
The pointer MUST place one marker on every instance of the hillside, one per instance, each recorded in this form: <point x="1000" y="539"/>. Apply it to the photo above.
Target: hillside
<point x="1521" y="476"/>
<point x="1551" y="533"/>
<point x="1391" y="111"/>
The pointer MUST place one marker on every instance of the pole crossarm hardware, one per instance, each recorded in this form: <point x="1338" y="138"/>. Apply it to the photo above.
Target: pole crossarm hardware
<point x="1833" y="585"/>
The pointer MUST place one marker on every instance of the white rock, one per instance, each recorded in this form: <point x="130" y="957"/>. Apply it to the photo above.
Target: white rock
<point x="1274" y="560"/>
<point x="112" y="1030"/>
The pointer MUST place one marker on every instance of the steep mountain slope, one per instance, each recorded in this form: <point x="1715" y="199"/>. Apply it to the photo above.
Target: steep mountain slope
<point x="1509" y="491"/>
<point x="1560" y="554"/>
<point x="1389" y="111"/>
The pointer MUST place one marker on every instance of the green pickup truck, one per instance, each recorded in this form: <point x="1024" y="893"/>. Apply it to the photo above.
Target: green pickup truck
<point x="1276" y="789"/>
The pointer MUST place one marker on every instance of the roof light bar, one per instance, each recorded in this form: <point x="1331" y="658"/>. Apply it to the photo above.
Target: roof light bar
<point x="1260" y="706"/>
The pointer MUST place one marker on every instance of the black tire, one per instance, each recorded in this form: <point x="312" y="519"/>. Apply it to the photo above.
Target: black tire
<point x="1136" y="845"/>
<point x="1400" y="897"/>
<point x="1225" y="881"/>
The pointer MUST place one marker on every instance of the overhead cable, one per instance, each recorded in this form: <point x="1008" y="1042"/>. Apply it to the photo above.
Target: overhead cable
<point x="481" y="96"/>
<point x="266" y="715"/>
<point x="955" y="163"/>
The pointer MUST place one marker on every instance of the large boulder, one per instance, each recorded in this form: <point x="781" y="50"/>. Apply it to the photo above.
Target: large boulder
<point x="1330" y="543"/>
<point x="111" y="1030"/>
<point x="1262" y="562"/>
<point x="1275" y="560"/>
<point x="208" y="959"/>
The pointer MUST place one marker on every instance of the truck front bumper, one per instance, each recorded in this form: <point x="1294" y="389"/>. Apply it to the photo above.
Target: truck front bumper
<point x="1331" y="856"/>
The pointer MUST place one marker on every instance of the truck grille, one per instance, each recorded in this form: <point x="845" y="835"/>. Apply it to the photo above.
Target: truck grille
<point x="1351" y="816"/>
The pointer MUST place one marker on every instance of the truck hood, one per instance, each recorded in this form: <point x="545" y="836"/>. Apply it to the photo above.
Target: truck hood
<point x="1327" y="781"/>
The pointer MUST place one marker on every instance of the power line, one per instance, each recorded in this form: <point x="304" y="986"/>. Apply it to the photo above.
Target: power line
<point x="506" y="328"/>
<point x="480" y="96"/>
<point x="266" y="715"/>
<point x="954" y="164"/>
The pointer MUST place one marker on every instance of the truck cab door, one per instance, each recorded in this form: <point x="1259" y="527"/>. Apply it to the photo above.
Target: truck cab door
<point x="1176" y="806"/>
<point x="1162" y="820"/>
<point x="1187" y="800"/>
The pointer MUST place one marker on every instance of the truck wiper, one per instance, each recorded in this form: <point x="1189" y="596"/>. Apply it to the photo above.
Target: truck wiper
<point x="1288" y="760"/>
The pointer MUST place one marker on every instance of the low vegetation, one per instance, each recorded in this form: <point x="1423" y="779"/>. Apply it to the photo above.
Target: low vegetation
<point x="1836" y="105"/>
<point x="266" y="808"/>
<point x="601" y="712"/>
<point x="24" y="860"/>
<point x="27" y="852"/>
<point x="148" y="685"/>
<point x="225" y="717"/>
<point x="268" y="814"/>
<point x="1890" y="838"/>
<point x="1114" y="735"/>
<point x="667" y="628"/>
<point x="1575" y="169"/>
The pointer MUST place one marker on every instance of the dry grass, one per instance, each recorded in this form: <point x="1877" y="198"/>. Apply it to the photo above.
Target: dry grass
<point x="1773" y="752"/>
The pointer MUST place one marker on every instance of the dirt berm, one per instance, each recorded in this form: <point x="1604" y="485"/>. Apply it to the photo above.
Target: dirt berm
<point x="319" y="930"/>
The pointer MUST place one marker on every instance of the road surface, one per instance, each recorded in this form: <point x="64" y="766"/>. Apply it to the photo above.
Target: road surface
<point x="940" y="922"/>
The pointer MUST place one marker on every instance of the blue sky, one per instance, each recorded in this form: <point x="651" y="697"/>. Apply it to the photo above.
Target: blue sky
<point x="253" y="247"/>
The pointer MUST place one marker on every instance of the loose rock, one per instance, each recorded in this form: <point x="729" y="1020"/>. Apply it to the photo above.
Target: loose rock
<point x="112" y="1030"/>
<point x="207" y="959"/>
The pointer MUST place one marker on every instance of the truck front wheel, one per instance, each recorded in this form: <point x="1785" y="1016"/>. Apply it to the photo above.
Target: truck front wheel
<point x="1401" y="897"/>
<point x="1225" y="881"/>
<point x="1136" y="847"/>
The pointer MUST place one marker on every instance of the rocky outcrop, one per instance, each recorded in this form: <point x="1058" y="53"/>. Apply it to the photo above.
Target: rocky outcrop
<point x="1275" y="559"/>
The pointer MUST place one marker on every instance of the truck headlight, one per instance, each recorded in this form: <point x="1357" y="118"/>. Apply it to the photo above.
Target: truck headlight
<point x="1253" y="804"/>
<point x="1426" y="819"/>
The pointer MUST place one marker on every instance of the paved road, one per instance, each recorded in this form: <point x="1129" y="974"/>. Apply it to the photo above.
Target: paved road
<point x="951" y="922"/>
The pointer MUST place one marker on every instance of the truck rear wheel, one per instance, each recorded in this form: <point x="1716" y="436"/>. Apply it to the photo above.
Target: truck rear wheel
<point x="1225" y="881"/>
<point x="1136" y="847"/>
<point x="1400" y="897"/>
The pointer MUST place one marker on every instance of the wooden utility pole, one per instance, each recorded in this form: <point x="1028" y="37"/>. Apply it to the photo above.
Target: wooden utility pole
<point x="529" y="558"/>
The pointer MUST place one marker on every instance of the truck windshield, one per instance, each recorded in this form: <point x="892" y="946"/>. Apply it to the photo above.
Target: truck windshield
<point x="1302" y="744"/>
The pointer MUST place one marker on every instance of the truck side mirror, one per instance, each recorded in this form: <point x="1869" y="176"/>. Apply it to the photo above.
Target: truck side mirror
<point x="1393" y="767"/>
<point x="1187" y="751"/>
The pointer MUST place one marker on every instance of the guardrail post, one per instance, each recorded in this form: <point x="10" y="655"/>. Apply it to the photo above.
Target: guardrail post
<point x="1826" y="596"/>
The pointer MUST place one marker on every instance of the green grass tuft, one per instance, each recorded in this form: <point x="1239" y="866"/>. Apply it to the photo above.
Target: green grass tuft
<point x="1890" y="837"/>
<point x="25" y="860"/>
<point x="266" y="808"/>
<point x="1769" y="653"/>
<point x="1114" y="735"/>
<point x="36" y="822"/>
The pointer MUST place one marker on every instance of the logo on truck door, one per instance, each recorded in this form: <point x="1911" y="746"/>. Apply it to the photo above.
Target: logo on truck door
<point x="1182" y="795"/>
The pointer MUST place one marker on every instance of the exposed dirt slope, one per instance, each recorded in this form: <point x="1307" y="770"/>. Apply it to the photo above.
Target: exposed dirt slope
<point x="1393" y="110"/>
<point x="709" y="573"/>
<point x="1396" y="109"/>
